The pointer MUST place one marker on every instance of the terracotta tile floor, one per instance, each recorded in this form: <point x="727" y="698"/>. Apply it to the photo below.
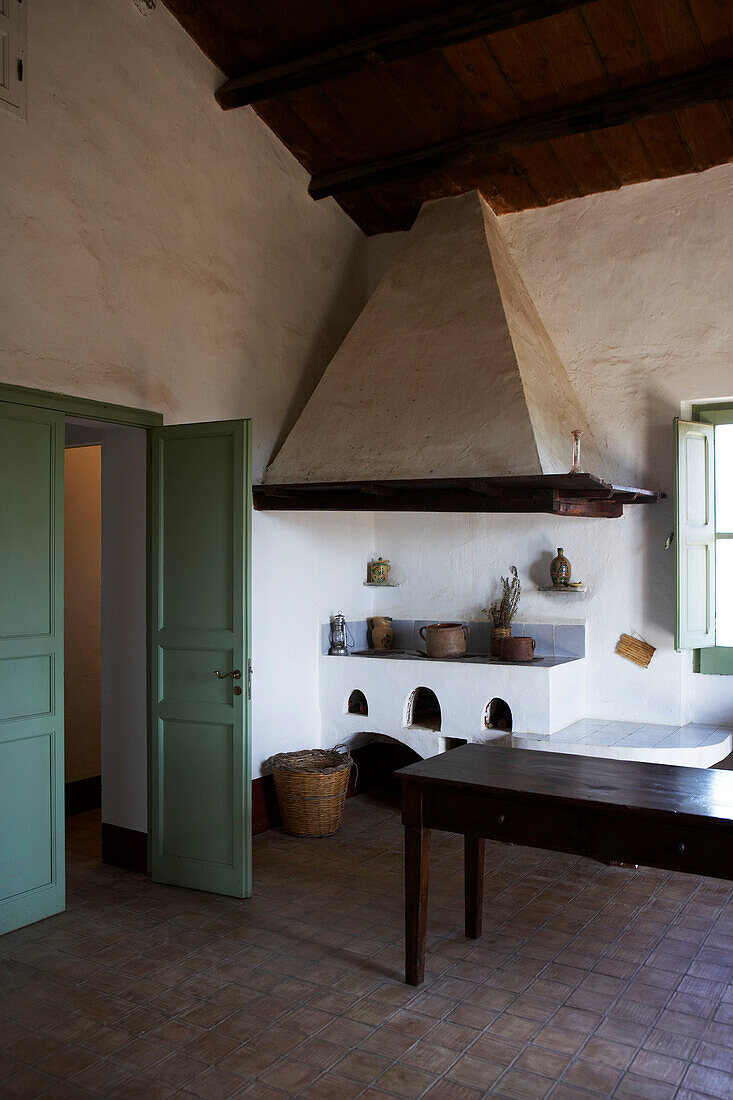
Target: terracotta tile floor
<point x="588" y="981"/>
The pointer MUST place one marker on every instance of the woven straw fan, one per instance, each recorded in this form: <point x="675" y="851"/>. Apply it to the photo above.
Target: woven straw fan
<point x="635" y="649"/>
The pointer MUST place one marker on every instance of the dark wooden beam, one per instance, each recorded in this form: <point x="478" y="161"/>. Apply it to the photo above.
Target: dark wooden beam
<point x="559" y="494"/>
<point x="458" y="23"/>
<point x="630" y="105"/>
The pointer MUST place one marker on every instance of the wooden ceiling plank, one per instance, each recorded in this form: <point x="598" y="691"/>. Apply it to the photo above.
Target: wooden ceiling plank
<point x="478" y="71"/>
<point x="673" y="40"/>
<point x="714" y="22"/>
<point x="546" y="173"/>
<point x="231" y="33"/>
<point x="665" y="146"/>
<point x="419" y="35"/>
<point x="372" y="218"/>
<point x="327" y="123"/>
<point x="372" y="113"/>
<point x="567" y="43"/>
<point x="708" y="134"/>
<point x="586" y="163"/>
<point x="432" y="97"/>
<point x="625" y="153"/>
<point x="296" y="135"/>
<point x="658" y="144"/>
<point x="688" y="89"/>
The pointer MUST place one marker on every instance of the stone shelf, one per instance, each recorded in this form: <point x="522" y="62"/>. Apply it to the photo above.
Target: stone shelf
<point x="562" y="590"/>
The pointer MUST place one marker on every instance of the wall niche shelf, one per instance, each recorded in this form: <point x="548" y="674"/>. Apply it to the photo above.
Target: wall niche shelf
<point x="387" y="584"/>
<point x="562" y="590"/>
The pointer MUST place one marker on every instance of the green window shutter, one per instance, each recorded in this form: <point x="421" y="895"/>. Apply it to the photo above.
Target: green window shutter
<point x="695" y="536"/>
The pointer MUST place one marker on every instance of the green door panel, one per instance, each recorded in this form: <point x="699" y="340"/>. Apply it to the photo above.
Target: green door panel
<point x="31" y="665"/>
<point x="200" y="751"/>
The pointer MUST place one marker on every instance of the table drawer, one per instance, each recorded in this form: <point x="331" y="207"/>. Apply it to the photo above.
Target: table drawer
<point x="668" y="844"/>
<point x="537" y="824"/>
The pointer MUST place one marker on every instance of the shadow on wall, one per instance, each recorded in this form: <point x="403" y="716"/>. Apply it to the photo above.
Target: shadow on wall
<point x="335" y="323"/>
<point x="658" y="468"/>
<point x="539" y="571"/>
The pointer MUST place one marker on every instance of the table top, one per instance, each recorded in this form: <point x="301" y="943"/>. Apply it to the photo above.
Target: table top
<point x="581" y="780"/>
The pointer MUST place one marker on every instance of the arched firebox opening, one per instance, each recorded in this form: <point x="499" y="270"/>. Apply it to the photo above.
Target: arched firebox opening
<point x="377" y="762"/>
<point x="357" y="703"/>
<point x="498" y="716"/>
<point x="423" y="710"/>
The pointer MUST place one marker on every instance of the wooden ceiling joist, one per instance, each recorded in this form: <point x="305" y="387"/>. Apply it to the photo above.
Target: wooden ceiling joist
<point x="708" y="85"/>
<point x="439" y="29"/>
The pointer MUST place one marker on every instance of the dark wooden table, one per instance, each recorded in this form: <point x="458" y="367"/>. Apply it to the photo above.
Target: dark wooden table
<point x="654" y="814"/>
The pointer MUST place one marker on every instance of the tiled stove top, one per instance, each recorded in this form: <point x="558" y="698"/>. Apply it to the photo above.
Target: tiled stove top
<point x="693" y="745"/>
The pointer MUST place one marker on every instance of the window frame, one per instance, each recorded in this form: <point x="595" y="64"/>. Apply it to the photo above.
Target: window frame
<point x="13" y="96"/>
<point x="717" y="660"/>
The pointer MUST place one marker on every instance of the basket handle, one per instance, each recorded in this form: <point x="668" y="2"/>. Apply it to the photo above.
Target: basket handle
<point x="343" y="748"/>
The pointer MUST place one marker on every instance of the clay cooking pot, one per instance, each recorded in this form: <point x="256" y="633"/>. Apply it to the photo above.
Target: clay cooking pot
<point x="517" y="649"/>
<point x="445" y="639"/>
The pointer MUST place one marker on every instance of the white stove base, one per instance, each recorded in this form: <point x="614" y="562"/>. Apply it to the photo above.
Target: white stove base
<point x="692" y="746"/>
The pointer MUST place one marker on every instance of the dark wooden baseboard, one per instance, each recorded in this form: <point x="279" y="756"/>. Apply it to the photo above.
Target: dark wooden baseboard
<point x="126" y="848"/>
<point x="265" y="810"/>
<point x="83" y="795"/>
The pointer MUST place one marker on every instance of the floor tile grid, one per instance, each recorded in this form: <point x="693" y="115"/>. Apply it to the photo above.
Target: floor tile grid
<point x="455" y="950"/>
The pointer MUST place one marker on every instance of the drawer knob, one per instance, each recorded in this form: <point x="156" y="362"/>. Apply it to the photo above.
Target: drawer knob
<point x="679" y="848"/>
<point x="501" y="818"/>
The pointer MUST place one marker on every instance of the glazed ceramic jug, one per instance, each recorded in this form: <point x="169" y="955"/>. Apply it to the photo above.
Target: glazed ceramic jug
<point x="381" y="631"/>
<point x="560" y="569"/>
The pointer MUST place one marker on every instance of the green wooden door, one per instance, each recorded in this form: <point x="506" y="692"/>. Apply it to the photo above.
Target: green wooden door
<point x="31" y="665"/>
<point x="200" y="759"/>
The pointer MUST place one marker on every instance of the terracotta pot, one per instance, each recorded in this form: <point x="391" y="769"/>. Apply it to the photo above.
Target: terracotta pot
<point x="498" y="634"/>
<point x="517" y="649"/>
<point x="445" y="639"/>
<point x="381" y="631"/>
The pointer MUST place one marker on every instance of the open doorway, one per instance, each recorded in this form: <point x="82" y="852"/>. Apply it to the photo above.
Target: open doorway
<point x="189" y="757"/>
<point x="105" y="671"/>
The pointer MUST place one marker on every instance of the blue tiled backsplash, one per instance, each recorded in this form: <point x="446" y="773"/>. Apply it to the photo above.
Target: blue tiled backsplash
<point x="553" y="639"/>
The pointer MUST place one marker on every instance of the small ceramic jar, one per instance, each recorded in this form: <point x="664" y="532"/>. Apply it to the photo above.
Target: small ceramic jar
<point x="378" y="571"/>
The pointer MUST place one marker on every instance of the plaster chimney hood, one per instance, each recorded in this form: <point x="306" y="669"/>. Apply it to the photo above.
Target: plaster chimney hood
<point x="446" y="395"/>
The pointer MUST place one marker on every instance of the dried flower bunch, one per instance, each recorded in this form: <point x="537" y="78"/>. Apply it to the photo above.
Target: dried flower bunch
<point x="501" y="612"/>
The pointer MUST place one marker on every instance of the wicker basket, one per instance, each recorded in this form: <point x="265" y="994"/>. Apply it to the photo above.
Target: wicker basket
<point x="311" y="789"/>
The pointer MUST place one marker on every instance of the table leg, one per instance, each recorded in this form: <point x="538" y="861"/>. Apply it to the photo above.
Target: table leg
<point x="473" y="847"/>
<point x="417" y="872"/>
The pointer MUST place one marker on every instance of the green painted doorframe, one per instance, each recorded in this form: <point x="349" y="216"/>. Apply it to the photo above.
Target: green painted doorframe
<point x="88" y="408"/>
<point x="80" y="406"/>
<point x="144" y="418"/>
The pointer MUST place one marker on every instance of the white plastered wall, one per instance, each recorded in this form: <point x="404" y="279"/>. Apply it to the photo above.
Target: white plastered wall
<point x="161" y="253"/>
<point x="635" y="288"/>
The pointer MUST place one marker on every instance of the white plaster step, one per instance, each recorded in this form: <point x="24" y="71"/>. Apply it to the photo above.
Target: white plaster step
<point x="692" y="746"/>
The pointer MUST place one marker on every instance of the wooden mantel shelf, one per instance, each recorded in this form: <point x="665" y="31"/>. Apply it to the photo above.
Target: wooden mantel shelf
<point x="557" y="494"/>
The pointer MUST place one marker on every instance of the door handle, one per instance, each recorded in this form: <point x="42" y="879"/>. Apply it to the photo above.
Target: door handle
<point x="235" y="675"/>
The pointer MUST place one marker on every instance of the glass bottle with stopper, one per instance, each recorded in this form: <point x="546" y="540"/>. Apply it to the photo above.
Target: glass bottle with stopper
<point x="576" y="467"/>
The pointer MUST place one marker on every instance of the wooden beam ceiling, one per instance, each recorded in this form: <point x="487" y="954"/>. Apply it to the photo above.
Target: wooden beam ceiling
<point x="433" y="31"/>
<point x="419" y="102"/>
<point x="631" y="105"/>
